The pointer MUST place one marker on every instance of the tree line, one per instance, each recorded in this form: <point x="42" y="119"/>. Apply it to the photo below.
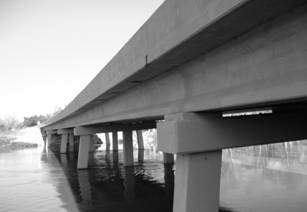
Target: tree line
<point x="11" y="123"/>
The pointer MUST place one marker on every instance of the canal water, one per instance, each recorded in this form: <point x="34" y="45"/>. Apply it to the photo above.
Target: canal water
<point x="262" y="178"/>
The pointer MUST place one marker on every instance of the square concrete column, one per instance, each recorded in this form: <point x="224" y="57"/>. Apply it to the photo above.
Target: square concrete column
<point x="141" y="155"/>
<point x="84" y="146"/>
<point x="64" y="141"/>
<point x="92" y="144"/>
<point x="139" y="135"/>
<point x="115" y="141"/>
<point x="168" y="158"/>
<point x="108" y="144"/>
<point x="49" y="139"/>
<point x="71" y="142"/>
<point x="197" y="182"/>
<point x="128" y="148"/>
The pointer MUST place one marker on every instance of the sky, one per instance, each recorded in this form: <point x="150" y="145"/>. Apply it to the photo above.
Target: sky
<point x="51" y="49"/>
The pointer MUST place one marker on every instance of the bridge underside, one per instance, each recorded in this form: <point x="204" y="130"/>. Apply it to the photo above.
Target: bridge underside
<point x="266" y="66"/>
<point x="260" y="65"/>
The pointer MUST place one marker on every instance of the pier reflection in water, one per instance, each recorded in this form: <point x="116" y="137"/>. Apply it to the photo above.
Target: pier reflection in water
<point x="109" y="186"/>
<point x="266" y="178"/>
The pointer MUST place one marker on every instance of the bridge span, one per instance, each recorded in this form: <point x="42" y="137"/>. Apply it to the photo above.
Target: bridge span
<point x="208" y="74"/>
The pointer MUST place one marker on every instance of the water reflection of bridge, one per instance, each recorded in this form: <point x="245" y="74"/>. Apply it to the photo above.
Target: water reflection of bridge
<point x="209" y="75"/>
<point x="113" y="187"/>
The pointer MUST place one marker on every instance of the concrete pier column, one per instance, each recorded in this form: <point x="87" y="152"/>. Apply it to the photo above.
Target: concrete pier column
<point x="139" y="135"/>
<point x="108" y="144"/>
<point x="128" y="148"/>
<point x="84" y="146"/>
<point x="115" y="140"/>
<point x="197" y="182"/>
<point x="92" y="144"/>
<point x="141" y="155"/>
<point x="64" y="141"/>
<point x="50" y="137"/>
<point x="44" y="136"/>
<point x="71" y="142"/>
<point x="168" y="158"/>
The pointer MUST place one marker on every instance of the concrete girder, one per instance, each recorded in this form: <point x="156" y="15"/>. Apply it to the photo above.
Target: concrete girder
<point x="262" y="67"/>
<point x="193" y="28"/>
<point x="64" y="131"/>
<point x="192" y="133"/>
<point x="82" y="130"/>
<point x="51" y="132"/>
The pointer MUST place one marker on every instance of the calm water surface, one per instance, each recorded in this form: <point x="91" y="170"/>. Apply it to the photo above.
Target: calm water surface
<point x="270" y="178"/>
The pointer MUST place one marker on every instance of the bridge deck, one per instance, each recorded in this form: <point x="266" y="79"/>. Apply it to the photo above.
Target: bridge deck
<point x="209" y="56"/>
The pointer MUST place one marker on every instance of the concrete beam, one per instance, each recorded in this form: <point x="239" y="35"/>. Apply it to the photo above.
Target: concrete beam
<point x="82" y="130"/>
<point x="246" y="78"/>
<point x="51" y="132"/>
<point x="189" y="29"/>
<point x="64" y="131"/>
<point x="191" y="132"/>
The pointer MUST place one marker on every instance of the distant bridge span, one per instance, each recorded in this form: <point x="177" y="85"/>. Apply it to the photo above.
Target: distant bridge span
<point x="190" y="62"/>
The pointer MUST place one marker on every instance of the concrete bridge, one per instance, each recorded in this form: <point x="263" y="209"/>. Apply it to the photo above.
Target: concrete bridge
<point x="208" y="74"/>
